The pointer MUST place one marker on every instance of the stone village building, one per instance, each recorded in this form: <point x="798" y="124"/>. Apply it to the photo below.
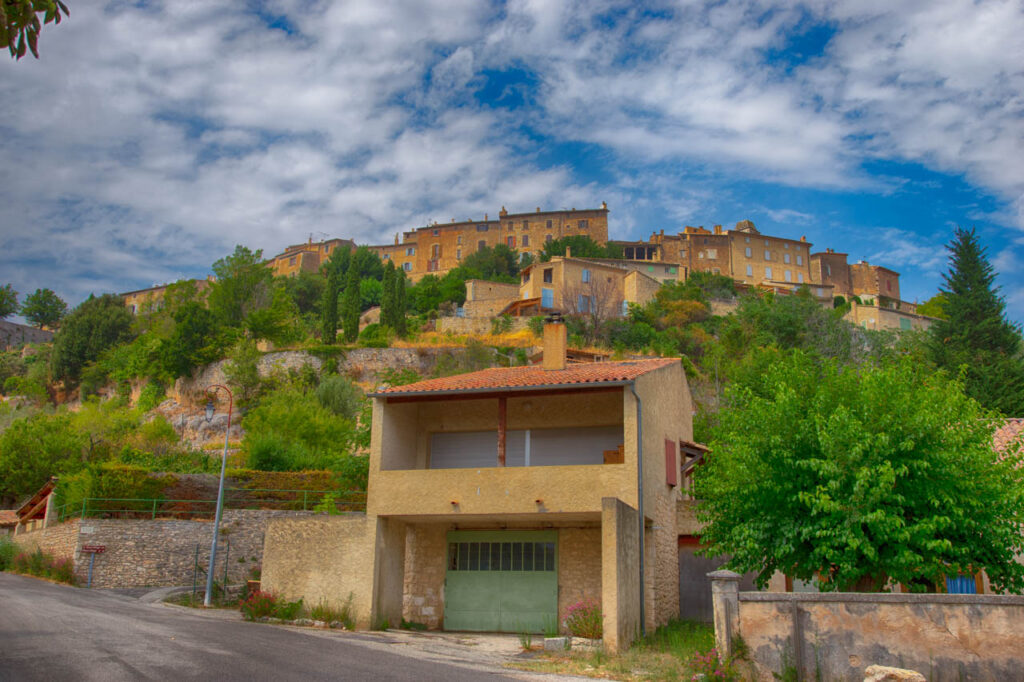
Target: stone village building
<point x="499" y="498"/>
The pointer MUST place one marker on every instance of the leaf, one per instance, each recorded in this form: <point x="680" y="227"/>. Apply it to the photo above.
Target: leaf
<point x="21" y="46"/>
<point x="33" y="37"/>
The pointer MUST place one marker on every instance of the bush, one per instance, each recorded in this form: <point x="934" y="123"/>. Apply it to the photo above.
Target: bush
<point x="258" y="605"/>
<point x="375" y="336"/>
<point x="583" y="619"/>
<point x="709" y="666"/>
<point x="8" y="550"/>
<point x="43" y="565"/>
<point x="340" y="395"/>
<point x="327" y="613"/>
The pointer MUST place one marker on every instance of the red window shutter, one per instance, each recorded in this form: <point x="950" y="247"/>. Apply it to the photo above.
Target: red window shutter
<point x="671" y="469"/>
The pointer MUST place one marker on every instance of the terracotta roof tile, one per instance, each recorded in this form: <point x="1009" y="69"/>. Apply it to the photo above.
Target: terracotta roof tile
<point x="8" y="517"/>
<point x="1012" y="430"/>
<point x="533" y="377"/>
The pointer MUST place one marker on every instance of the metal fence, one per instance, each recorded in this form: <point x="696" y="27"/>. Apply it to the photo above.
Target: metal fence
<point x="234" y="498"/>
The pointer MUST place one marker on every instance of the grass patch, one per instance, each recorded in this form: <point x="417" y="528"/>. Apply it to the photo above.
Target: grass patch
<point x="670" y="653"/>
<point x="329" y="614"/>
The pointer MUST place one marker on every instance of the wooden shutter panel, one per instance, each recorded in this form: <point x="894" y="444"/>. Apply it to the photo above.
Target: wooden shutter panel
<point x="671" y="468"/>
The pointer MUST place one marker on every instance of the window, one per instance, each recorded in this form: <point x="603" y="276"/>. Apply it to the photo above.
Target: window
<point x="511" y="242"/>
<point x="526" y="240"/>
<point x="789" y="275"/>
<point x="716" y="271"/>
<point x="785" y="258"/>
<point x="682" y="253"/>
<point x="501" y="556"/>
<point x="672" y="271"/>
<point x="768" y="273"/>
<point x="481" y="245"/>
<point x="508" y="226"/>
<point x="821" y="292"/>
<point x="547" y="237"/>
<point x="435" y="251"/>
<point x="586" y="275"/>
<point x="746" y="239"/>
<point x="327" y="248"/>
<point x="800" y="277"/>
<point x="750" y="271"/>
<point x="799" y="260"/>
<point x="458" y="254"/>
<point x="828" y="270"/>
<point x="526" y="224"/>
<point x="904" y="324"/>
<point x="766" y="242"/>
<point x="291" y="261"/>
<point x="767" y="254"/>
<point x="548" y="275"/>
<point x="437" y="232"/>
<point x="583" y="303"/>
<point x="407" y="267"/>
<point x="386" y="256"/>
<point x="549" y="225"/>
<point x="583" y="224"/>
<point x="481" y="227"/>
<point x="785" y="246"/>
<point x="748" y="252"/>
<point x="712" y="253"/>
<point x="705" y="240"/>
<point x="547" y="298"/>
<point x="410" y="251"/>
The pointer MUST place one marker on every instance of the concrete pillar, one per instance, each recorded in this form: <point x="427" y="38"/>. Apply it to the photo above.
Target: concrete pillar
<point x="389" y="573"/>
<point x="49" y="510"/>
<point x="725" y="601"/>
<point x="620" y="573"/>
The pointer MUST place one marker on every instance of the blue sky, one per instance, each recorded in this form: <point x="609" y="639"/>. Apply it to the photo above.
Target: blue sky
<point x="154" y="136"/>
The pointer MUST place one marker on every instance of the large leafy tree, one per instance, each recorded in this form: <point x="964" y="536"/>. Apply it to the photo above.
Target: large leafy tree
<point x="853" y="477"/>
<point x="8" y="301"/>
<point x="97" y="324"/>
<point x="975" y="335"/>
<point x="243" y="286"/>
<point x="580" y="246"/>
<point x="20" y="24"/>
<point x="499" y="264"/>
<point x="44" y="308"/>
<point x="194" y="341"/>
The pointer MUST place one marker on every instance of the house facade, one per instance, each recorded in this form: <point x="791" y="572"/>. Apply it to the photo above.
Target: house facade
<point x="497" y="499"/>
<point x="582" y="286"/>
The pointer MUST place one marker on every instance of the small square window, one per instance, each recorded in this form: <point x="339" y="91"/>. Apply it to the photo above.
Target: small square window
<point x="458" y="254"/>
<point x="547" y="237"/>
<point x="750" y="271"/>
<point x="407" y="267"/>
<point x="548" y="275"/>
<point x="583" y="224"/>
<point x="747" y="252"/>
<point x="586" y="275"/>
<point x="526" y="240"/>
<point x="785" y="258"/>
<point x="437" y="232"/>
<point x="767" y="254"/>
<point x="549" y="225"/>
<point x="768" y="273"/>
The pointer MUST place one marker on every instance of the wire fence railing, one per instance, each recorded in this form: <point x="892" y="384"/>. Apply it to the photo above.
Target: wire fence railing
<point x="234" y="498"/>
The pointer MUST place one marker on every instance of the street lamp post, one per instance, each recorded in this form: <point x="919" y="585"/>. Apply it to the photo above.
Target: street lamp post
<point x="220" y="489"/>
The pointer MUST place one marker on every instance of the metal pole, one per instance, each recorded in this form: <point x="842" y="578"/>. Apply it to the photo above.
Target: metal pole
<point x="640" y="501"/>
<point x="220" y="500"/>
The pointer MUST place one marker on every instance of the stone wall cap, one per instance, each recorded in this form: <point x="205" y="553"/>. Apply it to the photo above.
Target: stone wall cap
<point x="724" y="574"/>
<point x="883" y="598"/>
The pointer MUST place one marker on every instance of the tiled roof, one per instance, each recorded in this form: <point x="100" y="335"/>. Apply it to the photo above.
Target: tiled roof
<point x="1010" y="431"/>
<point x="533" y="377"/>
<point x="8" y="517"/>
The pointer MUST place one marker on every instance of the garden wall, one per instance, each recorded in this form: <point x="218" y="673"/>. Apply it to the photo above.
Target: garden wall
<point x="836" y="636"/>
<point x="156" y="553"/>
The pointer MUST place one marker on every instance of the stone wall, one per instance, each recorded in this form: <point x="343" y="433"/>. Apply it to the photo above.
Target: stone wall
<point x="322" y="558"/>
<point x="13" y="335"/>
<point x="426" y="549"/>
<point x="487" y="299"/>
<point x="156" y="553"/>
<point x="579" y="567"/>
<point x="836" y="636"/>
<point x="620" y="574"/>
<point x="476" y="325"/>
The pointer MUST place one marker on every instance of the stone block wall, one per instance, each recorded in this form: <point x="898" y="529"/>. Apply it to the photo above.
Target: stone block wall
<point x="13" y="335"/>
<point x="579" y="567"/>
<point x="476" y="325"/>
<point x="837" y="636"/>
<point x="426" y="551"/>
<point x="59" y="540"/>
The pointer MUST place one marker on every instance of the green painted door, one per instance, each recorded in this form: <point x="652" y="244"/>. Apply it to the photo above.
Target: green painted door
<point x="501" y="581"/>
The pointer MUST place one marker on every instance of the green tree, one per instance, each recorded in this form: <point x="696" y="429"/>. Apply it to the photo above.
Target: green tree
<point x="350" y="306"/>
<point x="277" y="322"/>
<point x="44" y="308"/>
<point x="243" y="286"/>
<point x="8" y="301"/>
<point x="306" y="289"/>
<point x="855" y="476"/>
<point x="498" y="263"/>
<point x="55" y="447"/>
<point x="581" y="246"/>
<point x="401" y="305"/>
<point x="20" y="25"/>
<point x="370" y="293"/>
<point x="976" y="334"/>
<point x="387" y="298"/>
<point x="243" y="371"/>
<point x="329" y="308"/>
<point x="934" y="307"/>
<point x="97" y="324"/>
<point x="194" y="341"/>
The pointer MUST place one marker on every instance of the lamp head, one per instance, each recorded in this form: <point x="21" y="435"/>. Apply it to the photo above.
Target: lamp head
<point x="209" y="410"/>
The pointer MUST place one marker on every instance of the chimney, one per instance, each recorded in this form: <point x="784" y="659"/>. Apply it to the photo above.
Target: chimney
<point x="502" y="213"/>
<point x="396" y="239"/>
<point x="803" y="238"/>
<point x="485" y="217"/>
<point x="568" y="252"/>
<point x="718" y="229"/>
<point x="554" y="342"/>
<point x="538" y="209"/>
<point x="604" y="206"/>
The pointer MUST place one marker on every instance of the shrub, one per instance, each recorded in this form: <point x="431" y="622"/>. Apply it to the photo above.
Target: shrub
<point x="258" y="605"/>
<point x="340" y="395"/>
<point x="8" y="550"/>
<point x="63" y="570"/>
<point x="375" y="335"/>
<point x="327" y="613"/>
<point x="709" y="666"/>
<point x="288" y="610"/>
<point x="41" y="564"/>
<point x="583" y="619"/>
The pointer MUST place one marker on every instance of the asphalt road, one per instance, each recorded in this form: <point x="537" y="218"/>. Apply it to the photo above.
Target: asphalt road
<point x="55" y="633"/>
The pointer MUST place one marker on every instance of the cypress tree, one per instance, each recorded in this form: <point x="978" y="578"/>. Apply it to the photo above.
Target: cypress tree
<point x="387" y="301"/>
<point x="329" y="308"/>
<point x="398" y="316"/>
<point x="350" y="306"/>
<point x="977" y="335"/>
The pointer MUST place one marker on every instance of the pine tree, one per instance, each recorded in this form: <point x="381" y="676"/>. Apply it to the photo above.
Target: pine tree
<point x="387" y="301"/>
<point x="329" y="307"/>
<point x="976" y="334"/>
<point x="350" y="306"/>
<point x="398" y="315"/>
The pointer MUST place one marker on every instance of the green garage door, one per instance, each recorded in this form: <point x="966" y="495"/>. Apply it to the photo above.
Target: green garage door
<point x="501" y="581"/>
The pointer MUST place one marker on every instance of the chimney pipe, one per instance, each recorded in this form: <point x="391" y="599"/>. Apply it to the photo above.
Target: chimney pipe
<point x="554" y="342"/>
<point x="568" y="252"/>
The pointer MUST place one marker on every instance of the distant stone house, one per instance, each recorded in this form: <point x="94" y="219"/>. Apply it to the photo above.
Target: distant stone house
<point x="499" y="498"/>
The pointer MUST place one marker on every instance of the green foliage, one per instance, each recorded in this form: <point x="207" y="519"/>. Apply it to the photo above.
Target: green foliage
<point x="536" y="325"/>
<point x="327" y="613"/>
<point x="581" y="246"/>
<point x="371" y="292"/>
<point x="20" y="27"/>
<point x="194" y="341"/>
<point x="243" y="286"/>
<point x="8" y="301"/>
<point x="117" y="486"/>
<point x="855" y="476"/>
<point x="279" y="322"/>
<point x="243" y="372"/>
<point x="341" y="396"/>
<point x="934" y="307"/>
<point x="399" y="377"/>
<point x="497" y="264"/>
<point x="583" y="619"/>
<point x="329" y="308"/>
<point x="44" y="565"/>
<point x="305" y="289"/>
<point x="375" y="335"/>
<point x="475" y="357"/>
<point x="152" y="394"/>
<point x="8" y="550"/>
<point x="23" y="386"/>
<point x="976" y="334"/>
<point x="93" y="327"/>
<point x="33" y="449"/>
<point x="350" y="306"/>
<point x="431" y="291"/>
<point x="44" y="308"/>
<point x="501" y="325"/>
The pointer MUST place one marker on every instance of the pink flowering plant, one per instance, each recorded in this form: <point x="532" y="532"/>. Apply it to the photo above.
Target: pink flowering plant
<point x="583" y="619"/>
<point x="711" y="668"/>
